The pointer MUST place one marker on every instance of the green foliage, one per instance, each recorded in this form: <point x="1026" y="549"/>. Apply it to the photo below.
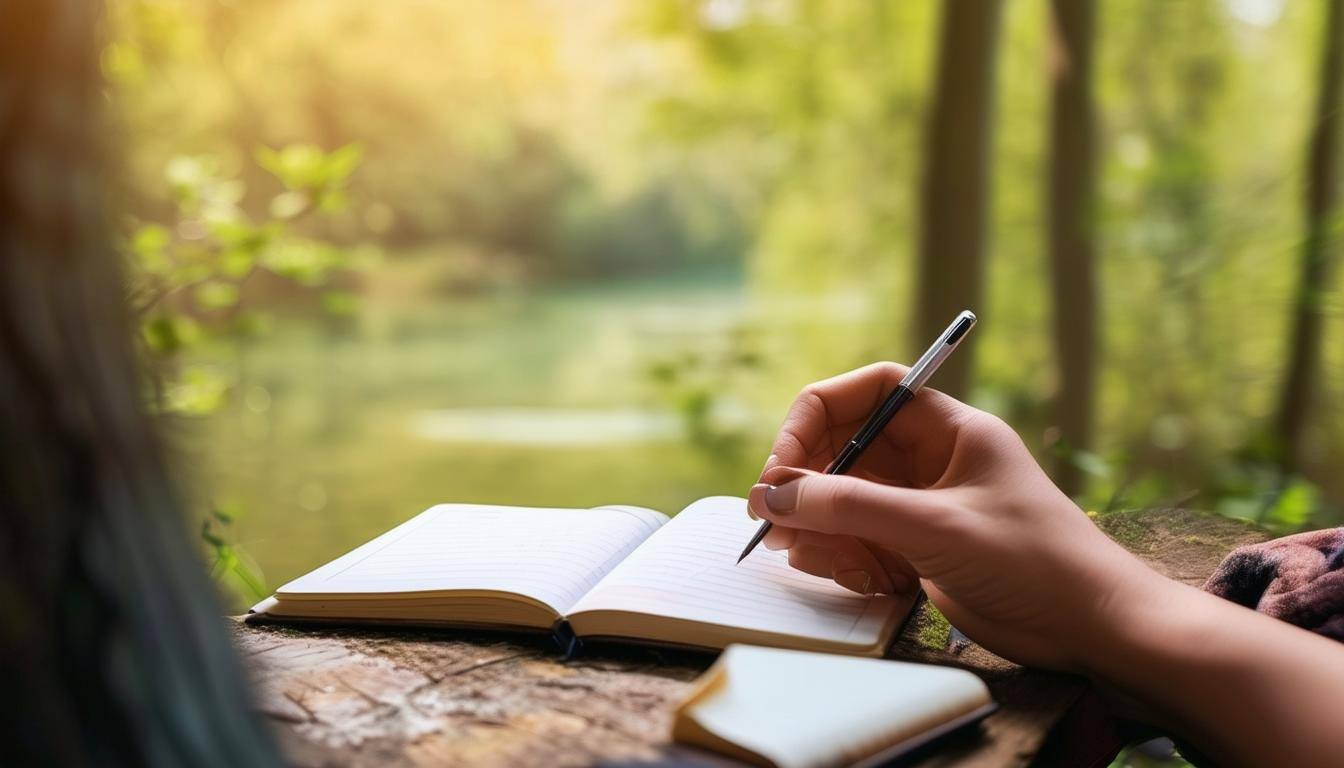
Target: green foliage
<point x="1243" y="487"/>
<point x="196" y="390"/>
<point x="476" y="154"/>
<point x="231" y="564"/>
<point x="1196" y="223"/>
<point x="818" y="105"/>
<point x="188" y="281"/>
<point x="513" y="154"/>
<point x="934" y="628"/>
<point x="699" y="387"/>
<point x="313" y="177"/>
<point x="189" y="276"/>
<point x="1284" y="505"/>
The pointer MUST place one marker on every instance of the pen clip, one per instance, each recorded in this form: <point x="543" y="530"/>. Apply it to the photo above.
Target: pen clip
<point x="964" y="324"/>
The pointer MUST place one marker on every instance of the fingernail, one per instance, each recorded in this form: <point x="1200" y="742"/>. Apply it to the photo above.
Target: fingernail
<point x="756" y="496"/>
<point x="781" y="499"/>
<point x="856" y="581"/>
<point x="756" y="506"/>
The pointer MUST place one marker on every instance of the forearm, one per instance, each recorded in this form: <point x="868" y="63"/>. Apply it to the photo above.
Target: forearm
<point x="1245" y="688"/>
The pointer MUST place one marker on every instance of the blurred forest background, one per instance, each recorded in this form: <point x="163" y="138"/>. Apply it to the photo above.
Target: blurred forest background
<point x="526" y="251"/>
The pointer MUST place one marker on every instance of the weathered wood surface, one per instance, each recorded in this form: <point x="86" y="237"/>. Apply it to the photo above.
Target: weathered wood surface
<point x="360" y="697"/>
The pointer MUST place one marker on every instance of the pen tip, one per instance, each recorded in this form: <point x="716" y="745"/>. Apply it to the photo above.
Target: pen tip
<point x="741" y="557"/>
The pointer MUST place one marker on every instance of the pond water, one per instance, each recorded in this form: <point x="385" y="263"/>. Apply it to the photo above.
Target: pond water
<point x="533" y="398"/>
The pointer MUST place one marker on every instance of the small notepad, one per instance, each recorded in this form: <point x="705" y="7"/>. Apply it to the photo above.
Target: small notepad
<point x="795" y="709"/>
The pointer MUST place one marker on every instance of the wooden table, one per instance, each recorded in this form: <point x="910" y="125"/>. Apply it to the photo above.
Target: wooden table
<point x="358" y="697"/>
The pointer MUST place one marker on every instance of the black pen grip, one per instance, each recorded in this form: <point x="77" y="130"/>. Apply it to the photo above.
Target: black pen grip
<point x="870" y="430"/>
<point x="852" y="450"/>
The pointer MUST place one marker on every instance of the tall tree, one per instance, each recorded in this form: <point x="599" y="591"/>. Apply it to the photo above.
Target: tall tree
<point x="955" y="199"/>
<point x="111" y="643"/>
<point x="1318" y="245"/>
<point x="1071" y="190"/>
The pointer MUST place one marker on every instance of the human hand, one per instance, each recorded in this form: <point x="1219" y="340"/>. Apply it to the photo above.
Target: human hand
<point x="948" y="495"/>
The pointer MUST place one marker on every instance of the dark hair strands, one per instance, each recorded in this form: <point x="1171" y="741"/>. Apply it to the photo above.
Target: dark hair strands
<point x="111" y="641"/>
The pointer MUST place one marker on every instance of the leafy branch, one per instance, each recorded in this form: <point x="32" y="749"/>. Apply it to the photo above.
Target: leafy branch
<point x="188" y="276"/>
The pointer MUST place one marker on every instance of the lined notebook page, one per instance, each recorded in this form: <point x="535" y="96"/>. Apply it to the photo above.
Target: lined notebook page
<point x="687" y="570"/>
<point x="551" y="555"/>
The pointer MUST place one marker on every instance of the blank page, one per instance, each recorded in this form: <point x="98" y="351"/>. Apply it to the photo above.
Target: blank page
<point x="687" y="571"/>
<point x="550" y="555"/>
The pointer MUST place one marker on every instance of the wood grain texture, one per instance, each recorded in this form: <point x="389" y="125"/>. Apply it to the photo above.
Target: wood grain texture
<point x="366" y="697"/>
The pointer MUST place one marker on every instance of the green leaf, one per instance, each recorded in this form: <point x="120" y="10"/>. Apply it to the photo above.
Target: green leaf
<point x="195" y="267"/>
<point x="122" y="63"/>
<point x="209" y="536"/>
<point x="237" y="262"/>
<point x="226" y="559"/>
<point x="199" y="392"/>
<point x="237" y="232"/>
<point x="187" y="176"/>
<point x="1294" y="506"/>
<point x="251" y="578"/>
<point x="1240" y="508"/>
<point x="161" y="336"/>
<point x="333" y="201"/>
<point x="214" y="295"/>
<point x="149" y="245"/>
<point x="253" y="323"/>
<point x="241" y="242"/>
<point x="663" y="372"/>
<point x="167" y="334"/>
<point x="228" y="191"/>
<point x="287" y="205"/>
<point x="226" y="511"/>
<point x="341" y="163"/>
<point x="1090" y="463"/>
<point x="297" y="166"/>
<point x="303" y="261"/>
<point x="340" y="303"/>
<point x="305" y="167"/>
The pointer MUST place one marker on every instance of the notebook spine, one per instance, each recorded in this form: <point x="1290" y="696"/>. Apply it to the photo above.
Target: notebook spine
<point x="569" y="643"/>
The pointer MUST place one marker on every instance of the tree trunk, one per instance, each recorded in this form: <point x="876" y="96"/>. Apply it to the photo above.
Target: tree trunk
<point x="1072" y="272"/>
<point x="1322" y="194"/>
<point x="112" y="646"/>
<point x="955" y="193"/>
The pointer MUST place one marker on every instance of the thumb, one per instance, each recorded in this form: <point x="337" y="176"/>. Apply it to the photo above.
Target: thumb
<point x="901" y="519"/>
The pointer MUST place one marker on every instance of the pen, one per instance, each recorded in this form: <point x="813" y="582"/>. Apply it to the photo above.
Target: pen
<point x="904" y="392"/>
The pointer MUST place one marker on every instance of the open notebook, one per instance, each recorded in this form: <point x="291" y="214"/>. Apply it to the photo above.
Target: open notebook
<point x="609" y="572"/>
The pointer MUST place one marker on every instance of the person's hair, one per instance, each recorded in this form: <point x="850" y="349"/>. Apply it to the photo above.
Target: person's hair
<point x="113" y="650"/>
